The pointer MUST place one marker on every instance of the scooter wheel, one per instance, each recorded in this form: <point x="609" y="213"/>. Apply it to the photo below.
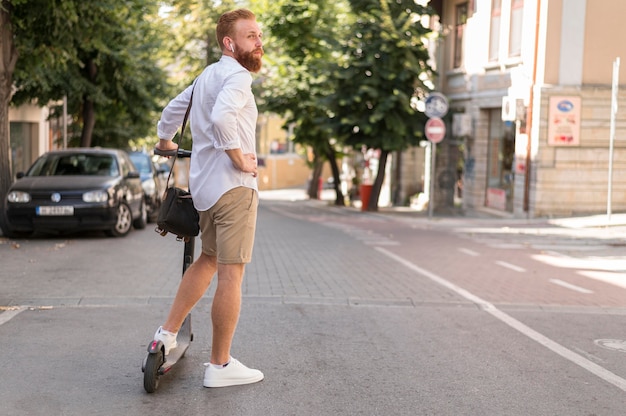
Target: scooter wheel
<point x="151" y="371"/>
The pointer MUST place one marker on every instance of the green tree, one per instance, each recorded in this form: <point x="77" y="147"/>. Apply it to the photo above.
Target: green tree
<point x="385" y="65"/>
<point x="109" y="75"/>
<point x="100" y="54"/>
<point x="305" y="43"/>
<point x="28" y="28"/>
<point x="191" y="43"/>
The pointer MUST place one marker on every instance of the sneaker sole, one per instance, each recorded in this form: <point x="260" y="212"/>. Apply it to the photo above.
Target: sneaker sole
<point x="228" y="383"/>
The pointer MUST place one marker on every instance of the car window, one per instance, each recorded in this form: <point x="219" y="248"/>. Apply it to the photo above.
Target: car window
<point x="74" y="164"/>
<point x="141" y="162"/>
<point x="104" y="166"/>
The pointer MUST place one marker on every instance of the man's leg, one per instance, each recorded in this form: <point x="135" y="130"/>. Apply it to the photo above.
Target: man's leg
<point x="225" y="315"/>
<point x="225" y="310"/>
<point x="193" y="286"/>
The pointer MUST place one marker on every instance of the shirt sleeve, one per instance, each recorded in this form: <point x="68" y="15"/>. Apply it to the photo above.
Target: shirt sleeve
<point x="173" y="115"/>
<point x="230" y="101"/>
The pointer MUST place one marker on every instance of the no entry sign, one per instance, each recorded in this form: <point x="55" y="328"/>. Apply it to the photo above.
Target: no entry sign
<point x="435" y="129"/>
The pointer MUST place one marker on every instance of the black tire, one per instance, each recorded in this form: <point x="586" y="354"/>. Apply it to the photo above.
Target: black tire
<point x="151" y="371"/>
<point x="141" y="222"/>
<point x="124" y="221"/>
<point x="8" y="232"/>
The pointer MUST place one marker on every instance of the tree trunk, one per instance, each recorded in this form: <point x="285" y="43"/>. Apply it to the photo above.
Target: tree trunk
<point x="89" y="122"/>
<point x="8" y="59"/>
<point x="89" y="114"/>
<point x="318" y="164"/>
<point x="339" y="200"/>
<point x="372" y="205"/>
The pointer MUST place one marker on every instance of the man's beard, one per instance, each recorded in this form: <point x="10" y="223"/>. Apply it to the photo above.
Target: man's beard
<point x="249" y="60"/>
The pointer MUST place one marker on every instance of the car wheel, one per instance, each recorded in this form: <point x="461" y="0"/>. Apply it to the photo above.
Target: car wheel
<point x="8" y="232"/>
<point x="140" y="223"/>
<point x="124" y="221"/>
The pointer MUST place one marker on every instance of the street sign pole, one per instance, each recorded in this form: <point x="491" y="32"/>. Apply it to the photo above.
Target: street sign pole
<point x="435" y="132"/>
<point x="435" y="107"/>
<point x="615" y="88"/>
<point x="431" y="185"/>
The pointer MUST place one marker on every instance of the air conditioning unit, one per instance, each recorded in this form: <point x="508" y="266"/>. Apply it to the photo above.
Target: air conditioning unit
<point x="509" y="108"/>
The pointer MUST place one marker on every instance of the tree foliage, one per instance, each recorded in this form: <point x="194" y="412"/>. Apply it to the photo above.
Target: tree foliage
<point x="191" y="44"/>
<point x="385" y="63"/>
<point x="305" y="43"/>
<point x="102" y="56"/>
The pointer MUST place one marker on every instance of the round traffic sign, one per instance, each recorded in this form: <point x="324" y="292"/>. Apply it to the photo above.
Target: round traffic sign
<point x="436" y="105"/>
<point x="435" y="129"/>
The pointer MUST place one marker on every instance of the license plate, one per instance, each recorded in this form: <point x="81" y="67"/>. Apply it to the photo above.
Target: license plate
<point x="56" y="210"/>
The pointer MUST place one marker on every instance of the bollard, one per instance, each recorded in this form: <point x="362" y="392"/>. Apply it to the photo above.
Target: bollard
<point x="320" y="187"/>
<point x="366" y="191"/>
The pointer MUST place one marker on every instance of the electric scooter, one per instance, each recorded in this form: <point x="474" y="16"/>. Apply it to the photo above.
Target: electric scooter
<point x="157" y="363"/>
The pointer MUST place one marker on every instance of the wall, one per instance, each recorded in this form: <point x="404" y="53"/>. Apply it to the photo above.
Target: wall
<point x="575" y="180"/>
<point x="283" y="171"/>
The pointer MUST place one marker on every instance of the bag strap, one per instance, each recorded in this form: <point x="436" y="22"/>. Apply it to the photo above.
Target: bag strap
<point x="180" y="138"/>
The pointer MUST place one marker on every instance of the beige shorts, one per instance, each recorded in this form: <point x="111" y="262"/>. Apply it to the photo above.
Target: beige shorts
<point x="228" y="226"/>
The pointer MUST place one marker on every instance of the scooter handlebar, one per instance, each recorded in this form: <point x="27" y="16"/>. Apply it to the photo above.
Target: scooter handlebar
<point x="170" y="153"/>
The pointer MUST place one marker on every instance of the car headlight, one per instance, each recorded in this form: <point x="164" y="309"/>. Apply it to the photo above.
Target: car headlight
<point x="96" y="196"/>
<point x="18" y="197"/>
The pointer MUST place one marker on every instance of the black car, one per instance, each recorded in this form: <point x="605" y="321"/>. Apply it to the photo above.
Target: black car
<point x="153" y="182"/>
<point x="74" y="190"/>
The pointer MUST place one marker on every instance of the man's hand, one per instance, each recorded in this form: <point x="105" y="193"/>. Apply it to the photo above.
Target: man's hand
<point x="250" y="164"/>
<point x="166" y="146"/>
<point x="244" y="162"/>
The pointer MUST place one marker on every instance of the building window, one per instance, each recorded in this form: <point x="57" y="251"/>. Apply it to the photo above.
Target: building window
<point x="494" y="35"/>
<point x="459" y="29"/>
<point x="515" y="37"/>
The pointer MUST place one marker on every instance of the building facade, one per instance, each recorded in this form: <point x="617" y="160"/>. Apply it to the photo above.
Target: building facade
<point x="530" y="87"/>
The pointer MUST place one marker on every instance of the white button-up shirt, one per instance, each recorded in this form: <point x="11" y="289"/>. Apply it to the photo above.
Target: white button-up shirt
<point x="223" y="116"/>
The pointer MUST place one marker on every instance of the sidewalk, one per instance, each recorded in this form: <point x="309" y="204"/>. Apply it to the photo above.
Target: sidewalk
<point x="582" y="222"/>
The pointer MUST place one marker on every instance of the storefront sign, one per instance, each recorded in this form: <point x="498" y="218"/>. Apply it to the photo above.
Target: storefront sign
<point x="564" y="121"/>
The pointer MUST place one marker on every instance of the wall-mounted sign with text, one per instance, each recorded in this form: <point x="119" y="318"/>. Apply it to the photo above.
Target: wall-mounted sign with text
<point x="564" y="121"/>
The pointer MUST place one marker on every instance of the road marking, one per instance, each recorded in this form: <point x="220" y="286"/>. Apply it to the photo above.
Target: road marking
<point x="510" y="266"/>
<point x="616" y="279"/>
<point x="468" y="252"/>
<point x="571" y="286"/>
<point x="555" y="347"/>
<point x="9" y="314"/>
<point x="611" y="344"/>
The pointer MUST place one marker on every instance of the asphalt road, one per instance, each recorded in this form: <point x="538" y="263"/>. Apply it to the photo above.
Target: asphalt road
<point x="346" y="313"/>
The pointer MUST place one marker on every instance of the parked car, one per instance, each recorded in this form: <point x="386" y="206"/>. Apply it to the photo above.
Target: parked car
<point x="77" y="189"/>
<point x="153" y="182"/>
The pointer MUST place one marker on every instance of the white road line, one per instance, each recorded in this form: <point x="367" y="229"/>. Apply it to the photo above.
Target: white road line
<point x="570" y="286"/>
<point x="511" y="266"/>
<point x="555" y="347"/>
<point x="7" y="315"/>
<point x="616" y="279"/>
<point x="468" y="252"/>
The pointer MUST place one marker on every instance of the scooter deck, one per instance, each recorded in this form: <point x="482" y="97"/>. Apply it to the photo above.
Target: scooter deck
<point x="173" y="357"/>
<point x="183" y="339"/>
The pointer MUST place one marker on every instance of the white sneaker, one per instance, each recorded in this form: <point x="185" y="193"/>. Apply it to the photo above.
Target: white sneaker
<point x="167" y="338"/>
<point x="233" y="374"/>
